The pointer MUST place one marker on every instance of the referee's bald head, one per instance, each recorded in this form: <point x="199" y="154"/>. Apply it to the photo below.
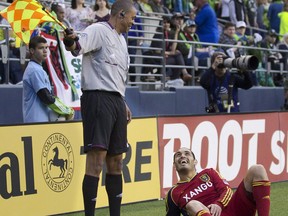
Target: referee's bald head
<point x="121" y="6"/>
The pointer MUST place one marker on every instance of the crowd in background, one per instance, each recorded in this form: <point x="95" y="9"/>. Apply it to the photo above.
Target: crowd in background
<point x="253" y="23"/>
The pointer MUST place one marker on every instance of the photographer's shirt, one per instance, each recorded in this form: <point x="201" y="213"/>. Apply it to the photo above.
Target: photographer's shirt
<point x="218" y="88"/>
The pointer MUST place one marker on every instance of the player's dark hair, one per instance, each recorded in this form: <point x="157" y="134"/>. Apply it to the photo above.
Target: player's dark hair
<point x="121" y="5"/>
<point x="34" y="41"/>
<point x="191" y="153"/>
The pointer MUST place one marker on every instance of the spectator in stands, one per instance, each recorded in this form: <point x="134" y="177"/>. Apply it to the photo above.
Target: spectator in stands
<point x="273" y="57"/>
<point x="39" y="103"/>
<point x="283" y="21"/>
<point x="251" y="8"/>
<point x="237" y="11"/>
<point x="60" y="14"/>
<point x="172" y="56"/>
<point x="240" y="34"/>
<point x="174" y="5"/>
<point x="145" y="8"/>
<point x="222" y="86"/>
<point x="178" y="6"/>
<point x="177" y="20"/>
<point x="79" y="15"/>
<point x="137" y="5"/>
<point x="262" y="19"/>
<point x="246" y="40"/>
<point x="206" y="21"/>
<point x="57" y="11"/>
<point x="224" y="7"/>
<point x="102" y="10"/>
<point x="274" y="9"/>
<point x="189" y="34"/>
<point x="158" y="7"/>
<point x="15" y="68"/>
<point x="227" y="37"/>
<point x="202" y="54"/>
<point x="135" y="31"/>
<point x="149" y="24"/>
<point x="207" y="193"/>
<point x="283" y="45"/>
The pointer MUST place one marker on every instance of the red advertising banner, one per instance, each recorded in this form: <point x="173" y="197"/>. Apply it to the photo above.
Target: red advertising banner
<point x="228" y="143"/>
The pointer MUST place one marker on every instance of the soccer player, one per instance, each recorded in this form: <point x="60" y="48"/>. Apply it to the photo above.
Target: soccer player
<point x="207" y="193"/>
<point x="105" y="114"/>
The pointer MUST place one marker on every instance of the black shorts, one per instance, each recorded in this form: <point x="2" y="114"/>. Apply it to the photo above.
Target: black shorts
<point x="104" y="121"/>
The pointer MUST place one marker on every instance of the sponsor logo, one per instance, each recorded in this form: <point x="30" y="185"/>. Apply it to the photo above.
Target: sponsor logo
<point x="205" y="178"/>
<point x="57" y="162"/>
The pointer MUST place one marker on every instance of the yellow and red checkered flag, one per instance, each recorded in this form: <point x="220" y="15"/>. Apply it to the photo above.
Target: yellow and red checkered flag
<point x="24" y="16"/>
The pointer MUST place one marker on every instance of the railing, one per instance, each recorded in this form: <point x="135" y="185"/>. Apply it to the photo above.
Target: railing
<point x="194" y="65"/>
<point x="149" y="24"/>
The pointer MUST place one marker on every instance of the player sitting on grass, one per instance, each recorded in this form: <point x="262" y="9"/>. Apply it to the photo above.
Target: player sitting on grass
<point x="207" y="193"/>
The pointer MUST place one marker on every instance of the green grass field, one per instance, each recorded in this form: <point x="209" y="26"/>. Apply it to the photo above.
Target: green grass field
<point x="279" y="205"/>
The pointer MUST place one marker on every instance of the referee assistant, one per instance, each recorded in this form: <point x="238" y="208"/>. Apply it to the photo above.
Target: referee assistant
<point x="105" y="113"/>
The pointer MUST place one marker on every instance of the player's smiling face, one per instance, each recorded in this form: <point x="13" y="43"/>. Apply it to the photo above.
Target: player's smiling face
<point x="184" y="160"/>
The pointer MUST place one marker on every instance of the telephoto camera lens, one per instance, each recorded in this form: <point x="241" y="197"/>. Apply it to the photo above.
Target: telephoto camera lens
<point x="248" y="62"/>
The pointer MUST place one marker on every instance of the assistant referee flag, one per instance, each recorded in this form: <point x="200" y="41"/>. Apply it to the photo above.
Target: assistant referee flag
<point x="24" y="16"/>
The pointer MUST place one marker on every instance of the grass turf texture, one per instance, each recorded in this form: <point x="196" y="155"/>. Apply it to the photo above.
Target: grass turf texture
<point x="279" y="205"/>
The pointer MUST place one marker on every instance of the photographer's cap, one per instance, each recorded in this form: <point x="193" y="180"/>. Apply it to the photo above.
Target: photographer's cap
<point x="240" y="24"/>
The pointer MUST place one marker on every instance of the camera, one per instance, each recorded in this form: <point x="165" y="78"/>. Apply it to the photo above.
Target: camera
<point x="212" y="108"/>
<point x="248" y="62"/>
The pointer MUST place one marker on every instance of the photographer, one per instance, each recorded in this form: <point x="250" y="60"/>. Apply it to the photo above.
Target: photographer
<point x="222" y="86"/>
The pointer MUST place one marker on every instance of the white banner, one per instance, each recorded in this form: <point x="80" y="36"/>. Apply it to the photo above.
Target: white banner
<point x="59" y="72"/>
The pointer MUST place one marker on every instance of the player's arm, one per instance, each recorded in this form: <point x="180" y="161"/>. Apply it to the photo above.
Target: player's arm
<point x="224" y="190"/>
<point x="171" y="208"/>
<point x="55" y="104"/>
<point x="45" y="96"/>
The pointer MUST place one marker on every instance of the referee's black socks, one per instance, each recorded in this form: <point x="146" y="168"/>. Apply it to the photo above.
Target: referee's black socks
<point x="89" y="189"/>
<point x="113" y="184"/>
